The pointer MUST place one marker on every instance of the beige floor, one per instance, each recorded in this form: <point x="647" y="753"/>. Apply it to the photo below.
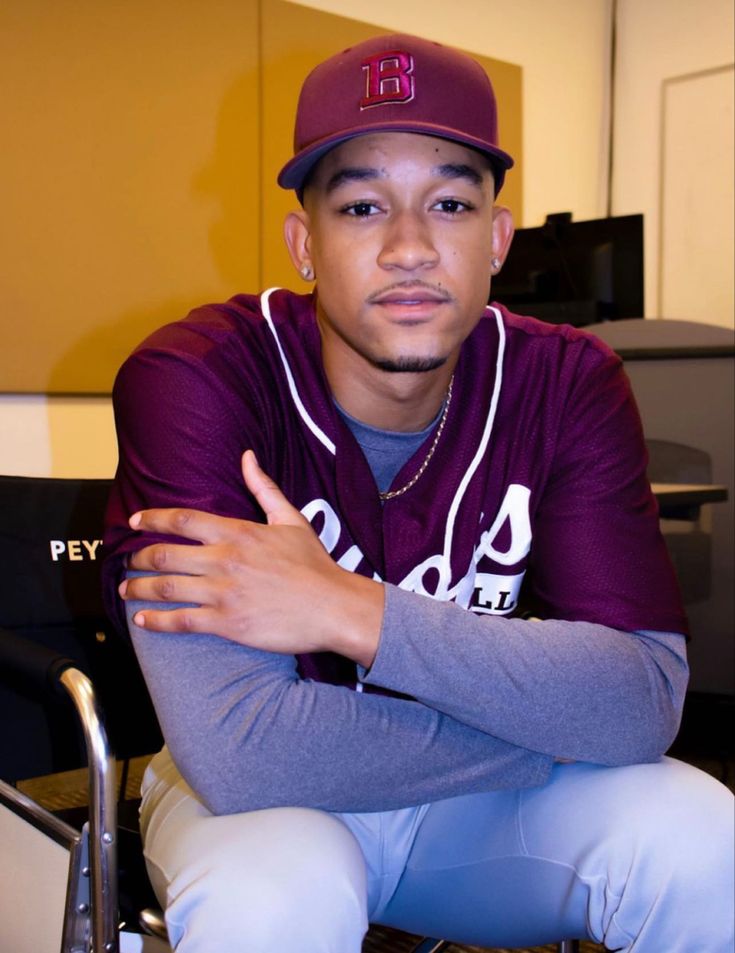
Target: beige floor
<point x="69" y="788"/>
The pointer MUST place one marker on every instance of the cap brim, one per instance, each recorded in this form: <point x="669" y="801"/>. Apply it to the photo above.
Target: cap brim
<point x="295" y="171"/>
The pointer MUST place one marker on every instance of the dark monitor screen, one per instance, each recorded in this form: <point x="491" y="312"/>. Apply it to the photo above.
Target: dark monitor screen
<point x="578" y="273"/>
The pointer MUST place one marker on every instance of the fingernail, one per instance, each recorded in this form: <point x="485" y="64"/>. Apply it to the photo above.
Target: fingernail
<point x="139" y="619"/>
<point x="135" y="519"/>
<point x="123" y="588"/>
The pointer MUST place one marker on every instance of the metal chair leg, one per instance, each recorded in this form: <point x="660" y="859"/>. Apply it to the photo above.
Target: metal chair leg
<point x="430" y="945"/>
<point x="102" y="810"/>
<point x="154" y="923"/>
<point x="569" y="946"/>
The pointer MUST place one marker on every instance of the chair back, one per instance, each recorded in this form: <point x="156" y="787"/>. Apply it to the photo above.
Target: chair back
<point x="50" y="593"/>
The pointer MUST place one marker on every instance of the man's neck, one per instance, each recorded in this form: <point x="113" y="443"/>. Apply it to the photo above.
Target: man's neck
<point x="401" y="402"/>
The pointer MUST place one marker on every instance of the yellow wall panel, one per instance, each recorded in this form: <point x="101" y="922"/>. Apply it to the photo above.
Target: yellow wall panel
<point x="141" y="143"/>
<point x="128" y="177"/>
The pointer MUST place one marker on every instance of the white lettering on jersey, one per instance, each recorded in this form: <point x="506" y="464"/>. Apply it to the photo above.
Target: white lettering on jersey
<point x="330" y="533"/>
<point x="513" y="510"/>
<point x="332" y="528"/>
<point x="497" y="594"/>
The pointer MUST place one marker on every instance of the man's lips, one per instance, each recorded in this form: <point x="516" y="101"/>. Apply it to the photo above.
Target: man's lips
<point x="408" y="296"/>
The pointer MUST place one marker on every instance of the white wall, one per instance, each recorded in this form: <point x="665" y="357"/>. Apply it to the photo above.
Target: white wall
<point x="657" y="41"/>
<point x="57" y="436"/>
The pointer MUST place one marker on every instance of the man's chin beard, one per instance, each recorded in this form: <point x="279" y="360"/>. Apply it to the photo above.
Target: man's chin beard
<point x="411" y="365"/>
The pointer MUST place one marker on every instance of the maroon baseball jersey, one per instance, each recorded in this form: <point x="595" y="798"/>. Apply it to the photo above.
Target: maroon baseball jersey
<point x="539" y="473"/>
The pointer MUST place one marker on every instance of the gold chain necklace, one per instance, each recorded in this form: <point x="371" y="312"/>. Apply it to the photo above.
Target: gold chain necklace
<point x="392" y="494"/>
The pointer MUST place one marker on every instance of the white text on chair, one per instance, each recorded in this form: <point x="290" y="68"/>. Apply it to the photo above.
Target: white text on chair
<point x="75" y="549"/>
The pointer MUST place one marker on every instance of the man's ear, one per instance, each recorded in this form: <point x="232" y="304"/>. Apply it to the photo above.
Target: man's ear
<point x="297" y="233"/>
<point x="503" y="229"/>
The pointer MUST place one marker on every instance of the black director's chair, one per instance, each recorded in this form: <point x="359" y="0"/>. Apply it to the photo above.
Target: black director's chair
<point x="50" y="553"/>
<point x="59" y="878"/>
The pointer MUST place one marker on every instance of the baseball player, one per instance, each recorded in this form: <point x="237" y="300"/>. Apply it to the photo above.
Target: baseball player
<point x="332" y="515"/>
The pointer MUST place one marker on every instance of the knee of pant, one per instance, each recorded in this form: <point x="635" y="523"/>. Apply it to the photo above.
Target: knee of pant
<point x="683" y="828"/>
<point x="686" y="807"/>
<point x="677" y="880"/>
<point x="266" y="924"/>
<point x="303" y="911"/>
<point x="303" y="897"/>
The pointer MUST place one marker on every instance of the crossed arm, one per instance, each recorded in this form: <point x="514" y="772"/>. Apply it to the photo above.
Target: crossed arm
<point x="237" y="579"/>
<point x="497" y="700"/>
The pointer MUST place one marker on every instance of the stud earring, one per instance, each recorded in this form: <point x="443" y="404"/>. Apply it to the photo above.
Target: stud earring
<point x="307" y="272"/>
<point x="495" y="264"/>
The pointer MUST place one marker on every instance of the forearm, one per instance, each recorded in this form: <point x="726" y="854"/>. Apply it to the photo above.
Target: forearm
<point x="248" y="733"/>
<point x="569" y="689"/>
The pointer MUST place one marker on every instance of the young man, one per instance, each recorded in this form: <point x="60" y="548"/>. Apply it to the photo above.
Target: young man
<point x="342" y="748"/>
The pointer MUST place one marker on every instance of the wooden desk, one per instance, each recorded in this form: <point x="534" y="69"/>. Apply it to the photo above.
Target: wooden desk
<point x="681" y="501"/>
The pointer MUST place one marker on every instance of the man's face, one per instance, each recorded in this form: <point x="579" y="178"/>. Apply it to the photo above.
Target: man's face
<point x="400" y="230"/>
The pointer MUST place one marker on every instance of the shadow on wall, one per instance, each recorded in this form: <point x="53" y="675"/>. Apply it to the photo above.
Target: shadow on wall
<point x="233" y="178"/>
<point x="94" y="358"/>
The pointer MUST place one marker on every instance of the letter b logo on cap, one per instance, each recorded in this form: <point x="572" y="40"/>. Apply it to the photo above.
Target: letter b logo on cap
<point x="389" y="79"/>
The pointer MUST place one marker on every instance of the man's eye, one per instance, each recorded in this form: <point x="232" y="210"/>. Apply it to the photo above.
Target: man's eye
<point x="360" y="209"/>
<point x="451" y="206"/>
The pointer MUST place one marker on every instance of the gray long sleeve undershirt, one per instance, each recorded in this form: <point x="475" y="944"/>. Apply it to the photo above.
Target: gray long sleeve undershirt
<point x="497" y="700"/>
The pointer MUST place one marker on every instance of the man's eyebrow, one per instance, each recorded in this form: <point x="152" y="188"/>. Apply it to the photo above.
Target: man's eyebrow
<point x="352" y="174"/>
<point x="458" y="170"/>
<point x="447" y="170"/>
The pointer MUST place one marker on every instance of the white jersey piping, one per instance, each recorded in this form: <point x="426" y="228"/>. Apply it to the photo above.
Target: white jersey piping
<point x="329" y="444"/>
<point x="305" y="416"/>
<point x="470" y="472"/>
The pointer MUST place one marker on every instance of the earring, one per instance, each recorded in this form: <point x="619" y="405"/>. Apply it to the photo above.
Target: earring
<point x="307" y="272"/>
<point x="495" y="264"/>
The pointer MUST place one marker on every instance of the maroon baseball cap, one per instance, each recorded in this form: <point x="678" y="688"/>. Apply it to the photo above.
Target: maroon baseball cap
<point x="394" y="83"/>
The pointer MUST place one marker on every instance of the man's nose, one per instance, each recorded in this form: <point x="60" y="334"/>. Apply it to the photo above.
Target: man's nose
<point x="408" y="243"/>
